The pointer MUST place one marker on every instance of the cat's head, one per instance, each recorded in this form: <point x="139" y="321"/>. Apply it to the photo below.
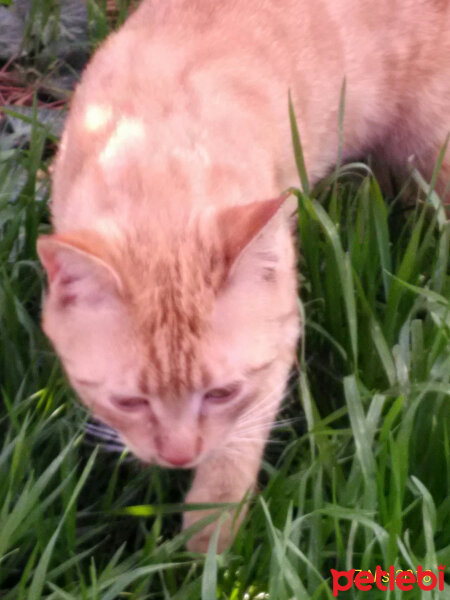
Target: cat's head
<point x="182" y="343"/>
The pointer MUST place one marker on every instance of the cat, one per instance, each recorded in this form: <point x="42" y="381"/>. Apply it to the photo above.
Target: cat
<point x="172" y="287"/>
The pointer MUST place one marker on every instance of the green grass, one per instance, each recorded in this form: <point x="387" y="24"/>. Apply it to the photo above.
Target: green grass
<point x="361" y="479"/>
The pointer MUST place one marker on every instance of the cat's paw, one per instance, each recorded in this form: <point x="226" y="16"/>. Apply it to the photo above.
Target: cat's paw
<point x="199" y="542"/>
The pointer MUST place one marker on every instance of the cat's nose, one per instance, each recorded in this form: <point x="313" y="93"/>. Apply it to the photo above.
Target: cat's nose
<point x="178" y="451"/>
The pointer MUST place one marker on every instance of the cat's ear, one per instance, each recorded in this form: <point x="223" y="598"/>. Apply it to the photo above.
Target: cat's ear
<point x="78" y="268"/>
<point x="239" y="225"/>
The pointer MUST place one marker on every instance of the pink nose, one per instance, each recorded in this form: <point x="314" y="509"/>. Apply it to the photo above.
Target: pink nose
<point x="176" y="458"/>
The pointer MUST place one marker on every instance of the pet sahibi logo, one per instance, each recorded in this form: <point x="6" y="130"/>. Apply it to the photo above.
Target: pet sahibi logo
<point x="388" y="580"/>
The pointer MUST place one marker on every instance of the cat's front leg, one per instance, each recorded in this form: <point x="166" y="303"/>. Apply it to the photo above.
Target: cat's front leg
<point x="225" y="478"/>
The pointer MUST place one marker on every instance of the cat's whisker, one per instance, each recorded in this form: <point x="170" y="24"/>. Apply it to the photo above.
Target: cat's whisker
<point x="286" y="422"/>
<point x="266" y="409"/>
<point x="263" y="421"/>
<point x="259" y="411"/>
<point x="262" y="426"/>
<point x="264" y="416"/>
<point x="261" y="430"/>
<point x="244" y="435"/>
<point x="265" y="400"/>
<point x="255" y="439"/>
<point x="263" y="413"/>
<point x="255" y="428"/>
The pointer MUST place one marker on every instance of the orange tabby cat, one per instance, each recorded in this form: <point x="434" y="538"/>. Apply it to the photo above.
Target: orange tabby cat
<point x="172" y="288"/>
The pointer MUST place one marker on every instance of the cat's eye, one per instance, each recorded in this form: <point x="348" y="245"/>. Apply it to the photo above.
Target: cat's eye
<point x="129" y="404"/>
<point x="222" y="394"/>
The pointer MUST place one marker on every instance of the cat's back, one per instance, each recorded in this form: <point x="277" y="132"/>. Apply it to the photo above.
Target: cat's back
<point x="140" y="116"/>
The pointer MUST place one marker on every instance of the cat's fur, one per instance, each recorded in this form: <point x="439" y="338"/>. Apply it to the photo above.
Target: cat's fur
<point x="170" y="272"/>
